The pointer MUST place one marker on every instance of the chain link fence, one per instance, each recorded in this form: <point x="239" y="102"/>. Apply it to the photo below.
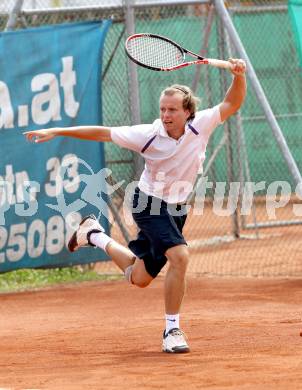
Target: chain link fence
<point x="243" y="150"/>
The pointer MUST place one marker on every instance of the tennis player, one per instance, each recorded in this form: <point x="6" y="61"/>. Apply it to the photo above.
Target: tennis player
<point x="173" y="148"/>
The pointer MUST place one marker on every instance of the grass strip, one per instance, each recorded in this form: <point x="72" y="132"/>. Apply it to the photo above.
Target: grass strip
<point x="28" y="279"/>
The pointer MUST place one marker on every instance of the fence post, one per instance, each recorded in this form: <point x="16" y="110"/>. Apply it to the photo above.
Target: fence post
<point x="133" y="85"/>
<point x="205" y="44"/>
<point x="229" y="135"/>
<point x="242" y="153"/>
<point x="13" y="16"/>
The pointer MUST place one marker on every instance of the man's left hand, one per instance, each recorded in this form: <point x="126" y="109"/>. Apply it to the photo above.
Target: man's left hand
<point x="239" y="66"/>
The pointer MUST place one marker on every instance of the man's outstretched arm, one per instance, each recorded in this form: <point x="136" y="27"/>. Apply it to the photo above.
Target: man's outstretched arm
<point x="89" y="133"/>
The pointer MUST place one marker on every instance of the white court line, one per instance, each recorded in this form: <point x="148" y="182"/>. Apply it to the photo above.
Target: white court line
<point x="11" y="388"/>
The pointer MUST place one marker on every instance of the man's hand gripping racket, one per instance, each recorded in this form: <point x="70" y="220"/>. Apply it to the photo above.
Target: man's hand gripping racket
<point x="159" y="53"/>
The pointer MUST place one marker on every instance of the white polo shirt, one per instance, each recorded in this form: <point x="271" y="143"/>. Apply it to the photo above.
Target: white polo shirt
<point x="171" y="166"/>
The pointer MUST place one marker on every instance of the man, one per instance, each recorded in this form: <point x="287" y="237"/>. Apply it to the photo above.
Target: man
<point x="173" y="148"/>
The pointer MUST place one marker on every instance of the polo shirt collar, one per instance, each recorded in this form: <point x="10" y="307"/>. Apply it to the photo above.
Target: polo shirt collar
<point x="163" y="132"/>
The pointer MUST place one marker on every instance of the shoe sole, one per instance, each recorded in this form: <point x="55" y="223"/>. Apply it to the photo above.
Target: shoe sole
<point x="179" y="350"/>
<point x="73" y="243"/>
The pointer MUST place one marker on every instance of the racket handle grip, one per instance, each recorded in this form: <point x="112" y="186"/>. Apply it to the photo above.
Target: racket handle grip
<point x="219" y="63"/>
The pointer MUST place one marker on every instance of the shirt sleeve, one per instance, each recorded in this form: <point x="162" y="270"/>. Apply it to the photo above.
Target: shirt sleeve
<point x="207" y="120"/>
<point x="131" y="137"/>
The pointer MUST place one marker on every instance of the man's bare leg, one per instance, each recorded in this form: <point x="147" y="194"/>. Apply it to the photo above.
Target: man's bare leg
<point x="173" y="339"/>
<point x="178" y="257"/>
<point x="133" y="268"/>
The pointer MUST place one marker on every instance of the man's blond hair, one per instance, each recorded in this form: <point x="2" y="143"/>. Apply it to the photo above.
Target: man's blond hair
<point x="190" y="102"/>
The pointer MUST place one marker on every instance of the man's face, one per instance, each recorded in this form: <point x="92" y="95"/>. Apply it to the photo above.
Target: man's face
<point x="172" y="114"/>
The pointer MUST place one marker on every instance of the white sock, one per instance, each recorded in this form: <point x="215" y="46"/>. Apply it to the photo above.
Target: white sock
<point x="172" y="321"/>
<point x="101" y="240"/>
<point x="128" y="272"/>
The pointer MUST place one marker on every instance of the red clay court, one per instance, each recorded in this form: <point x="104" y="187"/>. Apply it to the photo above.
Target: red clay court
<point x="243" y="333"/>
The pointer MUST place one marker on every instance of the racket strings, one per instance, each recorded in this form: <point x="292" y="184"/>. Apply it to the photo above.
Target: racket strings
<point x="155" y="52"/>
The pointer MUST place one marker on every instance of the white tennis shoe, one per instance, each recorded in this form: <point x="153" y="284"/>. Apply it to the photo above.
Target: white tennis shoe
<point x="80" y="237"/>
<point x="174" y="342"/>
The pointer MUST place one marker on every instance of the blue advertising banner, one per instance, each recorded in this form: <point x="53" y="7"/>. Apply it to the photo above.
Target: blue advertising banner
<point x="49" y="77"/>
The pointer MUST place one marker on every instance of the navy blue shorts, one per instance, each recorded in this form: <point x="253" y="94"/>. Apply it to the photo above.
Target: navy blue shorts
<point x="160" y="227"/>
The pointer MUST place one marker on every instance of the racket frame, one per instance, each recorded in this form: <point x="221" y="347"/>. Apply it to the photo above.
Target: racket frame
<point x="200" y="60"/>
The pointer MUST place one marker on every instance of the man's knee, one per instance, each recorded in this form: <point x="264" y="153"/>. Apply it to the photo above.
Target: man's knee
<point x="139" y="276"/>
<point x="140" y="280"/>
<point x="141" y="283"/>
<point x="178" y="257"/>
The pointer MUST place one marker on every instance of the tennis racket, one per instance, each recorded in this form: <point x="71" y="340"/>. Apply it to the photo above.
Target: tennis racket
<point x="159" y="53"/>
